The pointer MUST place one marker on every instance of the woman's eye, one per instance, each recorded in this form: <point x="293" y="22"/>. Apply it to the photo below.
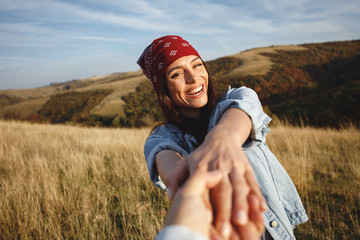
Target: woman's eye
<point x="198" y="65"/>
<point x="175" y="75"/>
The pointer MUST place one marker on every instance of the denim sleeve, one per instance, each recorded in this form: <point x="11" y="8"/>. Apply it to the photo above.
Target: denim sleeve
<point x="247" y="100"/>
<point x="159" y="140"/>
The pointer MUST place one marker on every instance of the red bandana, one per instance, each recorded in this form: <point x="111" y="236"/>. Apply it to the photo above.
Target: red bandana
<point x="160" y="54"/>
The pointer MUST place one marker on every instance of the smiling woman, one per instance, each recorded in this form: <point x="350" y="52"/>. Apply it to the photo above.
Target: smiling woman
<point x="226" y="135"/>
<point x="187" y="81"/>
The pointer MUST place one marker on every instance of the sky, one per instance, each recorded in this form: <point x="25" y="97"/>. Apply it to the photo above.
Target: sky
<point x="48" y="41"/>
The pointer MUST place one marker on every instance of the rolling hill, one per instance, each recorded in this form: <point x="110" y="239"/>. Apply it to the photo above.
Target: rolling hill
<point x="106" y="93"/>
<point x="318" y="83"/>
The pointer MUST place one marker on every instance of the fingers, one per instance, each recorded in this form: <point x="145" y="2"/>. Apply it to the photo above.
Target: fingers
<point x="255" y="226"/>
<point x="256" y="214"/>
<point x="178" y="176"/>
<point x="240" y="201"/>
<point x="248" y="204"/>
<point x="214" y="234"/>
<point x="201" y="181"/>
<point x="249" y="231"/>
<point x="234" y="211"/>
<point x="254" y="188"/>
<point x="191" y="206"/>
<point x="222" y="200"/>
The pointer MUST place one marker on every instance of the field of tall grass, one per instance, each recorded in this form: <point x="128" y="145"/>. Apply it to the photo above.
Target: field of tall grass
<point x="67" y="182"/>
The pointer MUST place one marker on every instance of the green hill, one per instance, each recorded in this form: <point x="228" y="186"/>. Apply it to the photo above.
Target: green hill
<point x="318" y="83"/>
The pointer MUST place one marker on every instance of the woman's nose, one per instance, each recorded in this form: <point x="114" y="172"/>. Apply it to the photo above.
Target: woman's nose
<point x="190" y="76"/>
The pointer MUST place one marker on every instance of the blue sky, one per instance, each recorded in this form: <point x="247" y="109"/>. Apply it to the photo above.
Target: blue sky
<point x="45" y="41"/>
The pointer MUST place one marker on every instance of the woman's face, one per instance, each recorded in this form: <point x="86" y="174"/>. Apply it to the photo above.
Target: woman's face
<point x="187" y="81"/>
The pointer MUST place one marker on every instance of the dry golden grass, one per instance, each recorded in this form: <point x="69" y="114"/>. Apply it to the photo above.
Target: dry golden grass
<point x="66" y="182"/>
<point x="325" y="166"/>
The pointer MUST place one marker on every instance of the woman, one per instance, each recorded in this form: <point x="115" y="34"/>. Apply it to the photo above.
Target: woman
<point x="227" y="134"/>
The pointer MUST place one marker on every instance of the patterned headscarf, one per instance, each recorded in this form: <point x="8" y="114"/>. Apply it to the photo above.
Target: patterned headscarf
<point x="160" y="54"/>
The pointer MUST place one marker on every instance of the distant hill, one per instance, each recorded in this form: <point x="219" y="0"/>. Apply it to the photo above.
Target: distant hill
<point x="318" y="83"/>
<point x="91" y="98"/>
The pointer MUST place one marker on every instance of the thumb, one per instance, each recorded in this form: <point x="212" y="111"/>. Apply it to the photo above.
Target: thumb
<point x="214" y="234"/>
<point x="177" y="177"/>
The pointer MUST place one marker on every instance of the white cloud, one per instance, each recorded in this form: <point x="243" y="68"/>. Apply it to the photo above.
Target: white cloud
<point x="121" y="20"/>
<point x="23" y="28"/>
<point x="141" y="7"/>
<point x="253" y="25"/>
<point x="69" y="33"/>
<point x="28" y="35"/>
<point x="55" y="11"/>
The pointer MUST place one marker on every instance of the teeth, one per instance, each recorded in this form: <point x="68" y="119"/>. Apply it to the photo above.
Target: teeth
<point x="196" y="90"/>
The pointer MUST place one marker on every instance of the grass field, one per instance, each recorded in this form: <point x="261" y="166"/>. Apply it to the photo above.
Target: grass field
<point x="66" y="182"/>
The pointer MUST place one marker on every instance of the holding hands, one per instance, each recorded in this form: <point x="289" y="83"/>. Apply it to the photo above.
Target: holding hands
<point x="237" y="202"/>
<point x="191" y="207"/>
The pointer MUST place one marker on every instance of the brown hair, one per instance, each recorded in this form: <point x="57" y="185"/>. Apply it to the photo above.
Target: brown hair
<point x="197" y="128"/>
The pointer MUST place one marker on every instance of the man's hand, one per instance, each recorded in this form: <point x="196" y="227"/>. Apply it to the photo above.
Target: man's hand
<point x="191" y="206"/>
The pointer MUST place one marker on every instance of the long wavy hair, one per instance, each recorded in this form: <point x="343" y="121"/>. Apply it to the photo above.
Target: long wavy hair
<point x="195" y="127"/>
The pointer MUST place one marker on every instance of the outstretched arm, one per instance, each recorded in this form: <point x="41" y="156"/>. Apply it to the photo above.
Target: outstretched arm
<point x="237" y="198"/>
<point x="171" y="169"/>
<point x="238" y="190"/>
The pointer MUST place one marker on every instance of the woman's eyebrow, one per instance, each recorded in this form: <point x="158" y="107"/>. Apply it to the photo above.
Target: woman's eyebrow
<point x="172" y="69"/>
<point x="195" y="58"/>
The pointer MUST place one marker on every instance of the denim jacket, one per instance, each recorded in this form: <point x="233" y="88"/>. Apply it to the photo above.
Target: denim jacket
<point x="285" y="209"/>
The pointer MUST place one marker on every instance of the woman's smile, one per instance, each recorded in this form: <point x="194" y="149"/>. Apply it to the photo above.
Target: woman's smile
<point x="195" y="92"/>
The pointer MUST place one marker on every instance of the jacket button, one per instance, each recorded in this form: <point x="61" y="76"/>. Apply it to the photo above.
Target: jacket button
<point x="273" y="224"/>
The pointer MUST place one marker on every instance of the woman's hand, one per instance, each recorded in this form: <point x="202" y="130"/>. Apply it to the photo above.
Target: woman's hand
<point x="237" y="199"/>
